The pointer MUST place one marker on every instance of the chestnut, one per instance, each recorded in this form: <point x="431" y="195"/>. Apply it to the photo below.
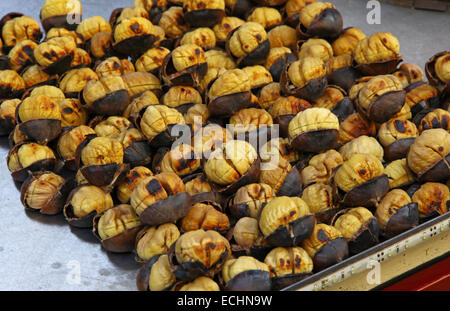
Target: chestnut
<point x="154" y="8"/>
<point x="202" y="283"/>
<point x="292" y="11"/>
<point x="56" y="54"/>
<point x="363" y="144"/>
<point x="305" y="78"/>
<point x="83" y="203"/>
<point x="18" y="27"/>
<point x="433" y="199"/>
<point x="74" y="81"/>
<point x="360" y="181"/>
<point x="197" y="116"/>
<point x="381" y="98"/>
<point x="282" y="36"/>
<point x="198" y="253"/>
<point x="156" y="240"/>
<point x="34" y="75"/>
<point x="252" y="125"/>
<point x="216" y="58"/>
<point x="354" y="126"/>
<point x="397" y="136"/>
<point x="409" y="74"/>
<point x="267" y="16"/>
<point x="319" y="198"/>
<point x="313" y="47"/>
<point x="152" y="60"/>
<point x="64" y="32"/>
<point x="17" y="137"/>
<point x="199" y="188"/>
<point x="377" y="54"/>
<point x="245" y="273"/>
<point x="139" y="103"/>
<point x="419" y="97"/>
<point x="428" y="156"/>
<point x="396" y="213"/>
<point x="208" y="138"/>
<point x="81" y="59"/>
<point x="206" y="216"/>
<point x="326" y="246"/>
<point x="248" y="44"/>
<point x="314" y="130"/>
<point x="69" y="141"/>
<point x="347" y="41"/>
<point x="250" y="199"/>
<point x="201" y="13"/>
<point x="185" y="65"/>
<point x="359" y="227"/>
<point x="280" y="146"/>
<point x="269" y="94"/>
<point x="45" y="192"/>
<point x="116" y="228"/>
<point x="286" y="221"/>
<point x="259" y="77"/>
<point x="126" y="186"/>
<point x="288" y="265"/>
<point x="336" y="100"/>
<point x="100" y="46"/>
<point x="173" y="23"/>
<point x="8" y="116"/>
<point x="204" y="37"/>
<point x="321" y="167"/>
<point x="340" y="71"/>
<point x="181" y="98"/>
<point x="181" y="160"/>
<point x="222" y="29"/>
<point x="137" y="83"/>
<point x="107" y="96"/>
<point x="239" y="8"/>
<point x="246" y="239"/>
<point x="438" y="118"/>
<point x="39" y="117"/>
<point x="399" y="174"/>
<point x="233" y="165"/>
<point x="277" y="59"/>
<point x="161" y="198"/>
<point x="72" y="113"/>
<point x="438" y="72"/>
<point x="320" y="19"/>
<point x="58" y="13"/>
<point x="284" y="179"/>
<point x="156" y="275"/>
<point x="22" y="55"/>
<point x="228" y="93"/>
<point x="120" y="14"/>
<point x="12" y="84"/>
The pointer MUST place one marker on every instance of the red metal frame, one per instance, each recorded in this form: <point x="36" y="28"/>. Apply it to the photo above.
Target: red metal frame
<point x="433" y="278"/>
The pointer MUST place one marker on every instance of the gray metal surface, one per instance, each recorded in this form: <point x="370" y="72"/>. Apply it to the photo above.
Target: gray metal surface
<point x="44" y="253"/>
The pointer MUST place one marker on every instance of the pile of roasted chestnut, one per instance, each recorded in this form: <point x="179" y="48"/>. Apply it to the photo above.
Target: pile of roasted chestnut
<point x="143" y="128"/>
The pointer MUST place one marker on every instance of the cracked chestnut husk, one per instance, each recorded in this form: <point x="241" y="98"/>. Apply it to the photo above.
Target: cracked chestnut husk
<point x="428" y="157"/>
<point x="248" y="44"/>
<point x="314" y="130"/>
<point x="396" y="213"/>
<point x="279" y="146"/>
<point x="280" y="175"/>
<point x="158" y="124"/>
<point x="69" y="142"/>
<point x="60" y="13"/>
<point x="173" y="23"/>
<point x="284" y="109"/>
<point x="354" y="126"/>
<point x="156" y="275"/>
<point x="181" y="160"/>
<point x="286" y="221"/>
<point x="83" y="203"/>
<point x="45" y="192"/>
<point x="347" y="41"/>
<point x="336" y="100"/>
<point x="377" y="54"/>
<point x="101" y="161"/>
<point x="320" y="167"/>
<point x="152" y="60"/>
<point x="360" y="181"/>
<point x="73" y="81"/>
<point x="206" y="216"/>
<point x="363" y="144"/>
<point x="39" y="117"/>
<point x="319" y="198"/>
<point x="421" y="97"/>
<point x="185" y="65"/>
<point x="278" y="58"/>
<point x="409" y="74"/>
<point x="233" y="165"/>
<point x="222" y="29"/>
<point x="12" y="84"/>
<point x="128" y="184"/>
<point x="433" y="199"/>
<point x="340" y="71"/>
<point x="8" y="116"/>
<point x="161" y="198"/>
<point x="438" y="118"/>
<point x="107" y="96"/>
<point x="359" y="227"/>
<point x="56" y="55"/>
<point x="399" y="174"/>
<point x="288" y="265"/>
<point x="245" y="273"/>
<point x="16" y="27"/>
<point x="155" y="240"/>
<point x="17" y="137"/>
<point x="202" y="283"/>
<point x="305" y="78"/>
<point x="28" y="157"/>
<point x="396" y="136"/>
<point x="249" y="200"/>
<point x="438" y="72"/>
<point x="154" y="8"/>
<point x="198" y="253"/>
<point x="133" y="36"/>
<point x="116" y="228"/>
<point x="201" y="13"/>
<point x="320" y="19"/>
<point x="229" y="93"/>
<point x="326" y="246"/>
<point x="381" y="98"/>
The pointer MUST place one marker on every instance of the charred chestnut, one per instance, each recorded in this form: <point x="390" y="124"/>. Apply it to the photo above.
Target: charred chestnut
<point x="121" y="14"/>
<point x="59" y="13"/>
<point x="340" y="71"/>
<point x="139" y="82"/>
<point x="277" y="59"/>
<point x="156" y="275"/>
<point x="363" y="144"/>
<point x="326" y="246"/>
<point x="133" y="36"/>
<point x="207" y="217"/>
<point x="45" y="192"/>
<point x="286" y="221"/>
<point x="93" y="25"/>
<point x="321" y="167"/>
<point x="152" y="60"/>
<point x="419" y="97"/>
<point x="117" y="228"/>
<point x="227" y="25"/>
<point x="336" y="101"/>
<point x="292" y="10"/>
<point x="203" y="37"/>
<point x="18" y="28"/>
<point x="428" y="156"/>
<point x="245" y="274"/>
<point x="74" y="81"/>
<point x="114" y="66"/>
<point x="347" y="41"/>
<point x="12" y="84"/>
<point x="181" y="160"/>
<point x="126" y="186"/>
<point x="173" y="23"/>
<point x="153" y="241"/>
<point x="354" y="126"/>
<point x="396" y="213"/>
<point x="280" y="146"/>
<point x="101" y="45"/>
<point x="409" y="74"/>
<point x="250" y="199"/>
<point x="320" y="19"/>
<point x="69" y="141"/>
<point x="8" y="116"/>
<point x="288" y="265"/>
<point x="22" y="55"/>
<point x="72" y="113"/>
<point x="397" y="136"/>
<point x="35" y="76"/>
<point x="432" y="199"/>
<point x="314" y="130"/>
<point x="181" y="98"/>
<point x="284" y="179"/>
<point x="201" y="13"/>
<point x="438" y="118"/>
<point x="56" y="55"/>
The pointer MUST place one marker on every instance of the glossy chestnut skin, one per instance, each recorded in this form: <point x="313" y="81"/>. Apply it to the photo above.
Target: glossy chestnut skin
<point x="327" y="24"/>
<point x="397" y="136"/>
<point x="204" y="13"/>
<point x="141" y="40"/>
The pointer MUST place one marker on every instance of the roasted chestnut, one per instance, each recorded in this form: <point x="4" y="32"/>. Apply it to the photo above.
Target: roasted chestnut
<point x="347" y="41"/>
<point x="35" y="76"/>
<point x="198" y="253"/>
<point x="22" y="55"/>
<point x="250" y="199"/>
<point x="284" y="109"/>
<point x="18" y="28"/>
<point x="247" y="239"/>
<point x="181" y="98"/>
<point x="282" y="36"/>
<point x="181" y="160"/>
<point x="156" y="275"/>
<point x="59" y="13"/>
<point x="227" y="25"/>
<point x="420" y="96"/>
<point x="336" y="101"/>
<point x="93" y="25"/>
<point x="428" y="156"/>
<point x="318" y="48"/>
<point x="173" y="22"/>
<point x="202" y="283"/>
<point x="321" y="167"/>
<point x="69" y="141"/>
<point x="277" y="59"/>
<point x="381" y="98"/>
<point x="72" y="113"/>
<point x="267" y="16"/>
<point x="314" y="130"/>
<point x="292" y="10"/>
<point x="81" y="59"/>
<point x="377" y="54"/>
<point x="409" y="74"/>
<point x="438" y="72"/>
<point x="8" y="116"/>
<point x="363" y="144"/>
<point x="269" y="94"/>
<point x="120" y="14"/>
<point x="340" y="71"/>
<point x="203" y="37"/>
<point x="397" y="136"/>
<point x="201" y="13"/>
<point x="152" y="60"/>
<point x="56" y="55"/>
<point x="245" y="273"/>
<point x="399" y="174"/>
<point x="284" y="179"/>
<point x="326" y="246"/>
<point x="74" y="81"/>
<point x="207" y="217"/>
<point x="433" y="199"/>
<point x="45" y="192"/>
<point x="286" y="221"/>
<point x="139" y="82"/>
<point x="319" y="198"/>
<point x="208" y="138"/>
<point x="360" y="181"/>
<point x="354" y="126"/>
<point x="83" y="203"/>
<point x="153" y="241"/>
<point x="12" y="84"/>
<point x="219" y="59"/>
<point x="280" y="146"/>
<point x="288" y="265"/>
<point x="131" y="180"/>
<point x="197" y="116"/>
<point x="133" y="36"/>
<point x="320" y="19"/>
<point x="438" y="118"/>
<point x="101" y="45"/>
<point x="251" y="124"/>
<point x="117" y="228"/>
<point x="359" y="227"/>
<point x="64" y="32"/>
<point x="396" y="213"/>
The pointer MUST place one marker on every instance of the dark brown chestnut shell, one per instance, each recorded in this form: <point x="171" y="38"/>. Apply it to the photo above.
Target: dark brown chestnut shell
<point x="60" y="21"/>
<point x="190" y="76"/>
<point x="41" y="130"/>
<point x="313" y="90"/>
<point x="106" y="176"/>
<point x="440" y="171"/>
<point x="143" y="276"/>
<point x="292" y="184"/>
<point x="256" y="57"/>
<point x="204" y="18"/>
<point x="343" y="77"/>
<point x="135" y="46"/>
<point x="77" y="222"/>
<point x="60" y="66"/>
<point x="139" y="153"/>
<point x="240" y="8"/>
<point x="293" y="233"/>
<point x="405" y="218"/>
<point x="169" y="209"/>
<point x="384" y="107"/>
<point x="250" y="280"/>
<point x="315" y="141"/>
<point x="112" y="104"/>
<point x="328" y="24"/>
<point x="332" y="252"/>
<point x="277" y="67"/>
<point x="378" y="68"/>
<point x="366" y="237"/>
<point x="432" y="77"/>
<point x="227" y="105"/>
<point x="398" y="149"/>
